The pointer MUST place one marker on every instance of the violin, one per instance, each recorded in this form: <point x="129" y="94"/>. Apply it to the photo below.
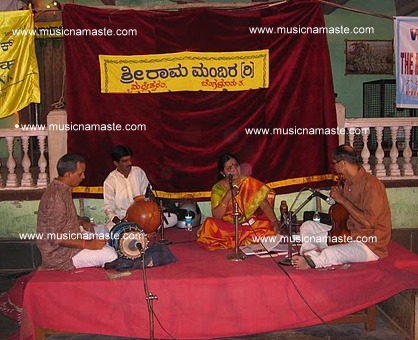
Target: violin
<point x="339" y="216"/>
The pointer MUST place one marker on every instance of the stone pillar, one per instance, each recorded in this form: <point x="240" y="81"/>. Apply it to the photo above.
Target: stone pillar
<point x="340" y="112"/>
<point x="57" y="139"/>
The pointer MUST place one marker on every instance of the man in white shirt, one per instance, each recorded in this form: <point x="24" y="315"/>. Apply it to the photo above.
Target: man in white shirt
<point x="122" y="185"/>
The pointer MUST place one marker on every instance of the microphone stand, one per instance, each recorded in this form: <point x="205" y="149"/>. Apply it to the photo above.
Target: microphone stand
<point x="238" y="254"/>
<point x="149" y="297"/>
<point x="287" y="261"/>
<point x="162" y="217"/>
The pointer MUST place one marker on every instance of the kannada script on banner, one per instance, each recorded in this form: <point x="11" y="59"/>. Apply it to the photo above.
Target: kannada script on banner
<point x="184" y="71"/>
<point x="19" y="76"/>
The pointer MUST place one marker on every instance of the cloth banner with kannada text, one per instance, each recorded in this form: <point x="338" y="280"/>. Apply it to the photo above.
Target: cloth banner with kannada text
<point x="19" y="75"/>
<point x="187" y="131"/>
<point x="406" y="56"/>
<point x="184" y="71"/>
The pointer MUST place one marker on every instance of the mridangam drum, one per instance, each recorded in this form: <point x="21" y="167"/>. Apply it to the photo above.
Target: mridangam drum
<point x="144" y="213"/>
<point x="129" y="240"/>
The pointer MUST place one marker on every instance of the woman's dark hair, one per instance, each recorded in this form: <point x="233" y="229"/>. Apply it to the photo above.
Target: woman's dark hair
<point x="347" y="153"/>
<point x="120" y="151"/>
<point x="221" y="163"/>
<point x="68" y="163"/>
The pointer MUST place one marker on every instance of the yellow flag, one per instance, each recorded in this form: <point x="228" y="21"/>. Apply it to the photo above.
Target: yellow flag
<point x="19" y="75"/>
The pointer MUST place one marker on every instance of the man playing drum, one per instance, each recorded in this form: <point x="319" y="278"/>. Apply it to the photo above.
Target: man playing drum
<point x="122" y="185"/>
<point x="64" y="245"/>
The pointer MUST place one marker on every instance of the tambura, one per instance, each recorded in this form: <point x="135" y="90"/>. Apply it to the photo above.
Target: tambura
<point x="129" y="240"/>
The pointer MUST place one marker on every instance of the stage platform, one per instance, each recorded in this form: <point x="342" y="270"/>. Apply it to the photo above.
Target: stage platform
<point x="204" y="295"/>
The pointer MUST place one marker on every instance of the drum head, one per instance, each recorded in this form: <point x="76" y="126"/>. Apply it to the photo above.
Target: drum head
<point x="129" y="240"/>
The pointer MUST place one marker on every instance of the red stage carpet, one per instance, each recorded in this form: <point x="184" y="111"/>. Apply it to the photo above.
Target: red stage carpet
<point x="204" y="295"/>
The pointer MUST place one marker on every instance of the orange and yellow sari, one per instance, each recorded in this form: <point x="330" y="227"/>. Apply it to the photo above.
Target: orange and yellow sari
<point x="220" y="234"/>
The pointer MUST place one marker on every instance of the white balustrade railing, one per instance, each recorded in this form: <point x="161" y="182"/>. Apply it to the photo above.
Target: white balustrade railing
<point x="386" y="145"/>
<point x="26" y="180"/>
<point x="392" y="135"/>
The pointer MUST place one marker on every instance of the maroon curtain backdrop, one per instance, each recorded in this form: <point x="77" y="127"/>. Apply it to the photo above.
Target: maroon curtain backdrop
<point x="188" y="131"/>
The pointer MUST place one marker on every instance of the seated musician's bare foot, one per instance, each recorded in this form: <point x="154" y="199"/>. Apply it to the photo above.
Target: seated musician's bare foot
<point x="302" y="262"/>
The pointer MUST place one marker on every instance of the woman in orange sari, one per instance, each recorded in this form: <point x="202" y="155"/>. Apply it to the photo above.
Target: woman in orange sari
<point x="257" y="217"/>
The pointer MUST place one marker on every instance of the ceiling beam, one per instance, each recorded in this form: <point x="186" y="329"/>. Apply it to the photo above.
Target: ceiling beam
<point x="330" y="9"/>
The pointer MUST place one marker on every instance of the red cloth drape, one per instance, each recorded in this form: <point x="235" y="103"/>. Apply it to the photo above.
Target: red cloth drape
<point x="206" y="296"/>
<point x="188" y="131"/>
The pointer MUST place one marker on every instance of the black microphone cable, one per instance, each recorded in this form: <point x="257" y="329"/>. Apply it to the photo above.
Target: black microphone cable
<point x="285" y="271"/>
<point x="150" y="297"/>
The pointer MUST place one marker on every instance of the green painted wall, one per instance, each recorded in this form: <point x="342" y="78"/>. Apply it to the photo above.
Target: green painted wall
<point x="9" y="121"/>
<point x="349" y="88"/>
<point x="20" y="216"/>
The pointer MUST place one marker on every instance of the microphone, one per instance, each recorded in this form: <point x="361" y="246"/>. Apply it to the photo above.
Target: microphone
<point x="327" y="199"/>
<point x="135" y="245"/>
<point x="230" y="176"/>
<point x="147" y="193"/>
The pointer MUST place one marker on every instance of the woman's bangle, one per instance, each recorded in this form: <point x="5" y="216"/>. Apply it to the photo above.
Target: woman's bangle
<point x="83" y="245"/>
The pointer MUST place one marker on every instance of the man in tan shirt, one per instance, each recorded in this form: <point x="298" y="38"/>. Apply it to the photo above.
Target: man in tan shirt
<point x="63" y="246"/>
<point x="364" y="197"/>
